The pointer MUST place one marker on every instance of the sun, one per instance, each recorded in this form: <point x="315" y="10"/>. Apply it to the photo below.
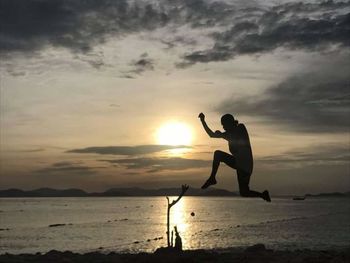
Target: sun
<point x="174" y="133"/>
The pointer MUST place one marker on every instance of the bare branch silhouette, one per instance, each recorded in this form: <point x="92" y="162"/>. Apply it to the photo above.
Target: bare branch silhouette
<point x="170" y="205"/>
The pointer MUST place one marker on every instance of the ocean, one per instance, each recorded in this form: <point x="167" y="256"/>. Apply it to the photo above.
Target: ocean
<point x="134" y="224"/>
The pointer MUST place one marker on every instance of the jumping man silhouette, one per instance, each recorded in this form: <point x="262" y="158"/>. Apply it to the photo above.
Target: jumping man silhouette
<point x="241" y="157"/>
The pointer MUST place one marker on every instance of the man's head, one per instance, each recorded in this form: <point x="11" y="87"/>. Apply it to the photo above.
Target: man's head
<point x="228" y="122"/>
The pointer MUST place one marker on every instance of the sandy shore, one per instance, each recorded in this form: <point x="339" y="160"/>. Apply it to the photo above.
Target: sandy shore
<point x="256" y="253"/>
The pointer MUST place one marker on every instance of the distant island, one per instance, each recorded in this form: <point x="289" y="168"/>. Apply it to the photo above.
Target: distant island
<point x="333" y="194"/>
<point x="133" y="191"/>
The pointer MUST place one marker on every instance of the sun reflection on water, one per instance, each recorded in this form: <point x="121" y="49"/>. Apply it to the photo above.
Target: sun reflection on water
<point x="178" y="218"/>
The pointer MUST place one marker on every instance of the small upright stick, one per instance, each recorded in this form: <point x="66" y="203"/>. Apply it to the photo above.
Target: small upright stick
<point x="178" y="241"/>
<point x="170" y="205"/>
<point x="172" y="238"/>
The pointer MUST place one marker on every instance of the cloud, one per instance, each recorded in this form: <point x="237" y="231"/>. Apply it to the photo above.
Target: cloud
<point x="15" y="73"/>
<point x="294" y="26"/>
<point x="127" y="76"/>
<point x="172" y="42"/>
<point x="159" y="164"/>
<point x="141" y="65"/>
<point x="33" y="150"/>
<point x="320" y="155"/>
<point x="127" y="150"/>
<point x="94" y="59"/>
<point x="67" y="168"/>
<point x="235" y="28"/>
<point x="77" y="25"/>
<point x="63" y="164"/>
<point x="314" y="101"/>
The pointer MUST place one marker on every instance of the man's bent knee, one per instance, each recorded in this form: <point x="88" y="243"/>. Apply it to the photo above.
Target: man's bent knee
<point x="218" y="154"/>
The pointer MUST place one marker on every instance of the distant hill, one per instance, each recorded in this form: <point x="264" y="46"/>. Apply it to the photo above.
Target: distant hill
<point x="334" y="194"/>
<point x="134" y="191"/>
<point x="43" y="192"/>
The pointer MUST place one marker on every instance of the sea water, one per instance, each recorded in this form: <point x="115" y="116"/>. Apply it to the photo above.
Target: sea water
<point x="134" y="224"/>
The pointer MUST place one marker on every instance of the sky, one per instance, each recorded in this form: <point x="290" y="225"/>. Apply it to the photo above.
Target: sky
<point x="86" y="87"/>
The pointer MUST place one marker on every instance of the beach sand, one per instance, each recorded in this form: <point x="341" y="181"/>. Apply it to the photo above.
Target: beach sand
<point x="256" y="253"/>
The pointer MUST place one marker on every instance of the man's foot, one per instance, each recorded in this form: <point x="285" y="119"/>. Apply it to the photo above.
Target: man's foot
<point x="209" y="182"/>
<point x="266" y="196"/>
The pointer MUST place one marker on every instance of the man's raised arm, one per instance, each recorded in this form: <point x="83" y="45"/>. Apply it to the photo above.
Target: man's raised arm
<point x="211" y="134"/>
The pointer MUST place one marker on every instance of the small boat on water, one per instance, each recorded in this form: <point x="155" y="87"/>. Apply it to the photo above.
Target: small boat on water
<point x="298" y="198"/>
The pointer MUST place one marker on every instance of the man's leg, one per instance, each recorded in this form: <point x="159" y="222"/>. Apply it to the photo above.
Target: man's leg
<point x="219" y="156"/>
<point x="244" y="190"/>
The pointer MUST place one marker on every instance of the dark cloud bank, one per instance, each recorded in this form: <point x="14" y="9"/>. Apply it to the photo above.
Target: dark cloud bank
<point x="294" y="26"/>
<point x="80" y="25"/>
<point x="77" y="25"/>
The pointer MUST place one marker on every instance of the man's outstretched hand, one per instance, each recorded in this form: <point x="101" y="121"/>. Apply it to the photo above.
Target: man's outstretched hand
<point x="201" y="116"/>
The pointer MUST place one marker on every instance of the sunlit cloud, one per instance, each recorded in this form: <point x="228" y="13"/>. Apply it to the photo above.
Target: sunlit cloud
<point x="159" y="164"/>
<point x="127" y="150"/>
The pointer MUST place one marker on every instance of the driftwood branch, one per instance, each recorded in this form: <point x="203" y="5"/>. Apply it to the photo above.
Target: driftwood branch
<point x="183" y="191"/>
<point x="184" y="188"/>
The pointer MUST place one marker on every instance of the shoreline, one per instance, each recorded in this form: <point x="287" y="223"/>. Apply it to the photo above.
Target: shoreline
<point x="254" y="254"/>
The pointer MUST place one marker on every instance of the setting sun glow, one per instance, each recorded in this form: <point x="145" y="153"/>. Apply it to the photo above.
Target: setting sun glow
<point x="174" y="133"/>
